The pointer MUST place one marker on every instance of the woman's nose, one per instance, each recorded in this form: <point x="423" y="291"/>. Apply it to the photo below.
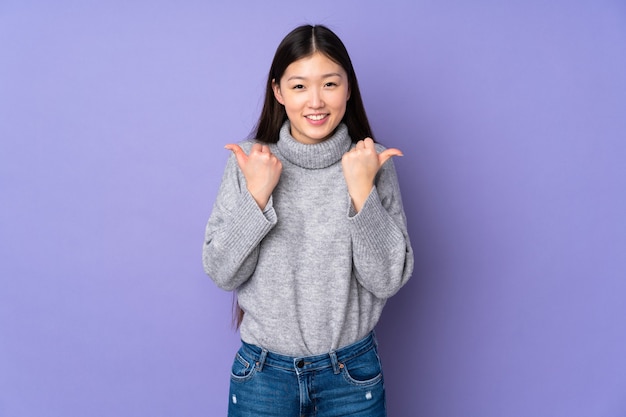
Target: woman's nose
<point x="315" y="100"/>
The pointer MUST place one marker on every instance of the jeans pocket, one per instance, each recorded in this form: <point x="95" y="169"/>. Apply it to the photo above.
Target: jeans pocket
<point x="242" y="369"/>
<point x="363" y="370"/>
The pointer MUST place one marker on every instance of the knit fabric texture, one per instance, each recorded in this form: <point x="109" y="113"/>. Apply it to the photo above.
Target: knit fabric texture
<point x="311" y="274"/>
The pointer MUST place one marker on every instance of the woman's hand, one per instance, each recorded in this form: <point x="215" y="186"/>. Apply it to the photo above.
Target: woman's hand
<point x="261" y="168"/>
<point x="360" y="165"/>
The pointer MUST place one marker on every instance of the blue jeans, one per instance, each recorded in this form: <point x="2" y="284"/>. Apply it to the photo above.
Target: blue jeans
<point x="345" y="382"/>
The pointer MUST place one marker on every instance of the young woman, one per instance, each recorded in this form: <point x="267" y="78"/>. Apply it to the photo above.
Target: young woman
<point x="308" y="228"/>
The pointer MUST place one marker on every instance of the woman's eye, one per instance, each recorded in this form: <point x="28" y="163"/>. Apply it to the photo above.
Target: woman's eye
<point x="331" y="84"/>
<point x="298" y="87"/>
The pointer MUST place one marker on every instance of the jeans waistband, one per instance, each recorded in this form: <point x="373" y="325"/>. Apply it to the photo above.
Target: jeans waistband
<point x="301" y="364"/>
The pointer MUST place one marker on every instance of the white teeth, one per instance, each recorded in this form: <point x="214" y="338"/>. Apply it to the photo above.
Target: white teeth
<point x="316" y="116"/>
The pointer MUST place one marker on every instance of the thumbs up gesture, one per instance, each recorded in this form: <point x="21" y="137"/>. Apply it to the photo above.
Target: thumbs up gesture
<point x="360" y="165"/>
<point x="261" y="168"/>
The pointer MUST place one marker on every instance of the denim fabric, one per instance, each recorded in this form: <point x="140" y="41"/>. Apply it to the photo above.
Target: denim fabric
<point x="346" y="382"/>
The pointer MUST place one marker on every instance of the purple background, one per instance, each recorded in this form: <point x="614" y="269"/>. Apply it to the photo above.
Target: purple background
<point x="512" y="118"/>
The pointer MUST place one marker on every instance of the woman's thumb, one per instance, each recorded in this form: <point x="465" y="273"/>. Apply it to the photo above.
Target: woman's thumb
<point x="388" y="153"/>
<point x="241" y="156"/>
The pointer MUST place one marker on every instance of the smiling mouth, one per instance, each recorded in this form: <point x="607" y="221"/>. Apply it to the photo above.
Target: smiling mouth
<point x="316" y="117"/>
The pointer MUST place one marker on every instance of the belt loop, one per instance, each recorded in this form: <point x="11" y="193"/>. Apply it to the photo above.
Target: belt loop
<point x="335" y="362"/>
<point x="261" y="360"/>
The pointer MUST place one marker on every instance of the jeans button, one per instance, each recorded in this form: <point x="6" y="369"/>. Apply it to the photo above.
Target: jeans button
<point x="300" y="363"/>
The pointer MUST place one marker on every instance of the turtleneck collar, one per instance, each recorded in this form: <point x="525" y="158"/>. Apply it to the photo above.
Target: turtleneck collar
<point x="317" y="155"/>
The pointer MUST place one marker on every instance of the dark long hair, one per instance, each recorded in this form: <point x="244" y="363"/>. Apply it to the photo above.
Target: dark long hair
<point x="300" y="43"/>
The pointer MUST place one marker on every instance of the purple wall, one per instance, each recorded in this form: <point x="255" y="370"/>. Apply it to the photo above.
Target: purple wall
<point x="513" y="122"/>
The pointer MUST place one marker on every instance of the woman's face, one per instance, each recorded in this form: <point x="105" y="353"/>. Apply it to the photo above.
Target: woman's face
<point x="314" y="91"/>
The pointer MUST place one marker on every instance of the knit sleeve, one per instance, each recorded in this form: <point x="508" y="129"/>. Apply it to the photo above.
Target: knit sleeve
<point x="234" y="230"/>
<point x="382" y="253"/>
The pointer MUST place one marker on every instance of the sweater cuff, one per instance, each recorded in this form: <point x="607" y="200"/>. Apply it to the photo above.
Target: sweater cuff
<point x="372" y="227"/>
<point x="249" y="223"/>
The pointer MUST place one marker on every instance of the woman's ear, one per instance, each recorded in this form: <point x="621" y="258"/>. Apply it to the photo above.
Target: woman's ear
<point x="277" y="94"/>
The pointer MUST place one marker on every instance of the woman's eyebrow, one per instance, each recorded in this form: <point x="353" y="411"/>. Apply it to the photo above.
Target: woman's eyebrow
<point x="300" y="77"/>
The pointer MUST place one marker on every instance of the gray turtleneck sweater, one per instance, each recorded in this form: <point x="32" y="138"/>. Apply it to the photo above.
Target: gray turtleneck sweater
<point x="311" y="274"/>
